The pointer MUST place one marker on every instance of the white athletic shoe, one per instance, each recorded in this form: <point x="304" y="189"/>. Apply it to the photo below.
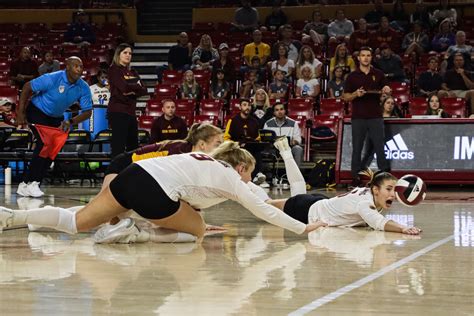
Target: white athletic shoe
<point x="124" y="232"/>
<point x="23" y="189"/>
<point x="259" y="178"/>
<point x="264" y="185"/>
<point x="6" y="217"/>
<point x="281" y="144"/>
<point x="34" y="190"/>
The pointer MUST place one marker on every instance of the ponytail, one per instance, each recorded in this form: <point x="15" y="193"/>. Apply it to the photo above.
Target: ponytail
<point x="202" y="131"/>
<point x="377" y="178"/>
<point x="233" y="154"/>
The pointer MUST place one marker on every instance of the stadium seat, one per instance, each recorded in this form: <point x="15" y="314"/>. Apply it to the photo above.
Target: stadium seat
<point x="165" y="91"/>
<point x="417" y="106"/>
<point x="145" y="122"/>
<point x="9" y="93"/>
<point x="456" y="107"/>
<point x="172" y="77"/>
<point x="302" y="107"/>
<point x="211" y="107"/>
<point x="234" y="106"/>
<point x="332" y="107"/>
<point x="329" y="121"/>
<point x="212" y="119"/>
<point x="186" y="105"/>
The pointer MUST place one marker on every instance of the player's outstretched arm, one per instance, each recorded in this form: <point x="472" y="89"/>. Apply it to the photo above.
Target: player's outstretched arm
<point x="395" y="227"/>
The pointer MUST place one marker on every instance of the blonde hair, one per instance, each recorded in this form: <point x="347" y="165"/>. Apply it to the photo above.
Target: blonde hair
<point x="120" y="48"/>
<point x="202" y="131"/>
<point x="185" y="87"/>
<point x="266" y="104"/>
<point x="233" y="154"/>
<point x="201" y="41"/>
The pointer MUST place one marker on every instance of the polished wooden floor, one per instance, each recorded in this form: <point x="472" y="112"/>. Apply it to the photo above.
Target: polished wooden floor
<point x="252" y="269"/>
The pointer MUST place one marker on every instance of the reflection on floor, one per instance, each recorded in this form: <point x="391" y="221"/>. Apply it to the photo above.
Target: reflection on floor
<point x="252" y="269"/>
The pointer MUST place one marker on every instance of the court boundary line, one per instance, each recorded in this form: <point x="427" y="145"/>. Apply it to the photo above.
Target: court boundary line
<point x="361" y="282"/>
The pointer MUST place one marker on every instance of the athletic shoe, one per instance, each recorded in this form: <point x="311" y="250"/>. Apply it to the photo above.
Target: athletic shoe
<point x="259" y="178"/>
<point x="34" y="190"/>
<point x="281" y="144"/>
<point x="6" y="217"/>
<point x="124" y="232"/>
<point x="264" y="185"/>
<point x="23" y="189"/>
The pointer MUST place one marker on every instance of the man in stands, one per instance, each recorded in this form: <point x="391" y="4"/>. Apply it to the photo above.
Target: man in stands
<point x="246" y="17"/>
<point x="385" y="34"/>
<point x="179" y="55"/>
<point x="286" y="37"/>
<point x="390" y="64"/>
<point x="458" y="82"/>
<point x="430" y="81"/>
<point x="243" y="128"/>
<point x="285" y="126"/>
<point x="80" y="32"/>
<point x="23" y="69"/>
<point x="256" y="48"/>
<point x="168" y="126"/>
<point x="359" y="38"/>
<point x="340" y="30"/>
<point x="373" y="17"/>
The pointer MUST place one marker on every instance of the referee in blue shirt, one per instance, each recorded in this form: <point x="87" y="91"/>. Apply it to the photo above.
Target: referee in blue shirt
<point x="53" y="94"/>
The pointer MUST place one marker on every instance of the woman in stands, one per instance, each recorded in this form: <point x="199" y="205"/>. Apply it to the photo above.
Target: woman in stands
<point x="166" y="191"/>
<point x="205" y="54"/>
<point x="307" y="58"/>
<point x="390" y="108"/>
<point x="435" y="107"/>
<point x="343" y="59"/>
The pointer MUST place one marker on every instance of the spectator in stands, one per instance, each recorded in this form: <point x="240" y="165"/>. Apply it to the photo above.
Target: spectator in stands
<point x="306" y="58"/>
<point x="282" y="125"/>
<point x="286" y="37"/>
<point x="458" y="82"/>
<point x="316" y="30"/>
<point x="246" y="18"/>
<point x="444" y="38"/>
<point x="125" y="88"/>
<point x="434" y="107"/>
<point x="340" y="30"/>
<point x="421" y="14"/>
<point x="205" y="54"/>
<point x="399" y="17"/>
<point x="256" y="48"/>
<point x="225" y="63"/>
<point x="390" y="108"/>
<point x="278" y="88"/>
<point x="390" y="64"/>
<point x="430" y="81"/>
<point x="23" y="69"/>
<point x="190" y="89"/>
<point x="261" y="107"/>
<point x="49" y="64"/>
<point x="307" y="86"/>
<point x="373" y="17"/>
<point x="250" y="85"/>
<point x="7" y="113"/>
<point x="385" y="34"/>
<point x="417" y="41"/>
<point x="460" y="46"/>
<point x="80" y="31"/>
<point x="444" y="12"/>
<point x="243" y="128"/>
<point x="53" y="93"/>
<point x="366" y="111"/>
<point x="101" y="90"/>
<point x="342" y="59"/>
<point x="168" y="126"/>
<point x="220" y="88"/>
<point x="360" y="38"/>
<point x="336" y="84"/>
<point x="259" y="70"/>
<point x="283" y="63"/>
<point x="276" y="18"/>
<point x="179" y="55"/>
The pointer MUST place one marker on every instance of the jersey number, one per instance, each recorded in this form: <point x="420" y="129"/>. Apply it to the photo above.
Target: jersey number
<point x="201" y="157"/>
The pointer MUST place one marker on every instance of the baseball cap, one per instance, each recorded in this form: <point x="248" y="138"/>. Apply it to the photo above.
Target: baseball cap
<point x="223" y="45"/>
<point x="4" y="101"/>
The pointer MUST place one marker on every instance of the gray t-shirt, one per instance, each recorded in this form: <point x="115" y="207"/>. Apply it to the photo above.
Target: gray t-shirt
<point x="47" y="68"/>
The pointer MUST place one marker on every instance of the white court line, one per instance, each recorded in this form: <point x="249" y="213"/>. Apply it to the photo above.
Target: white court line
<point x="357" y="284"/>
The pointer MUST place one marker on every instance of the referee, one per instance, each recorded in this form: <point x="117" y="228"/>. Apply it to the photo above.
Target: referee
<point x="363" y="87"/>
<point x="53" y="94"/>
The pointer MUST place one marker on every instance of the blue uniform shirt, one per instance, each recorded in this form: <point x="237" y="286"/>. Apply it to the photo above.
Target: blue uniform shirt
<point x="54" y="94"/>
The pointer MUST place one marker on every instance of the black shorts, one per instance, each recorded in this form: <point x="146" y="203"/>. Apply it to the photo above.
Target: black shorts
<point x="135" y="189"/>
<point x="298" y="206"/>
<point x="119" y="163"/>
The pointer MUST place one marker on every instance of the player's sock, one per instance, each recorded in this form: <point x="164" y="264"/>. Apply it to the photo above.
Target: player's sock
<point x="50" y="216"/>
<point x="163" y="235"/>
<point x="295" y="178"/>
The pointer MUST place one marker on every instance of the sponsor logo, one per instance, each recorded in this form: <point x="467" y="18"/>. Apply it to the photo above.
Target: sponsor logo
<point x="396" y="148"/>
<point x="463" y="147"/>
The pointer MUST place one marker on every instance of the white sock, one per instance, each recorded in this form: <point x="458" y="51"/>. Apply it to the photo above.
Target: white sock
<point x="50" y="216"/>
<point x="164" y="235"/>
<point x="295" y="178"/>
<point x="75" y="209"/>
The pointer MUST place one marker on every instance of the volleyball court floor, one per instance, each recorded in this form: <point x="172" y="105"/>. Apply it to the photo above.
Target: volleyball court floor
<point x="252" y="269"/>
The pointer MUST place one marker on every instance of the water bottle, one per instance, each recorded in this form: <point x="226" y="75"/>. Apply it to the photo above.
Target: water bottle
<point x="8" y="176"/>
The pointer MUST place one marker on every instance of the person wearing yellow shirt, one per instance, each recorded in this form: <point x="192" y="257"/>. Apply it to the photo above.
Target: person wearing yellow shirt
<point x="256" y="48"/>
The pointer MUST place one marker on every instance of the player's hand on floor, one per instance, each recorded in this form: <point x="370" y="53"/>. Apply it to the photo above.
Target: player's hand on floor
<point x="314" y="226"/>
<point x="213" y="227"/>
<point x="412" y="231"/>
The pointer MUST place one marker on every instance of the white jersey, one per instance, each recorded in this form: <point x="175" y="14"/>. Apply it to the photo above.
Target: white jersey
<point x="354" y="208"/>
<point x="202" y="182"/>
<point x="100" y="95"/>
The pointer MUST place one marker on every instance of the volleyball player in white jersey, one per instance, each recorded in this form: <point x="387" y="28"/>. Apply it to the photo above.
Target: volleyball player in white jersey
<point x="164" y="191"/>
<point x="359" y="207"/>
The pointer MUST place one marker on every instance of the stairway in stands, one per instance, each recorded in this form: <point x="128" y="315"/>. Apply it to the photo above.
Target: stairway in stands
<point x="165" y="17"/>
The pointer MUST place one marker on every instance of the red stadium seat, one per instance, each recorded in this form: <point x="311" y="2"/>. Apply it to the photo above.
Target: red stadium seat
<point x="456" y="107"/>
<point x="332" y="107"/>
<point x="417" y="106"/>
<point x="164" y="91"/>
<point x="398" y="87"/>
<point x="234" y="106"/>
<point x="9" y="93"/>
<point x="329" y="121"/>
<point x="185" y="105"/>
<point x="301" y="120"/>
<point x="211" y="107"/>
<point x="212" y="119"/>
<point x="187" y="116"/>
<point x="145" y="122"/>
<point x="302" y="107"/>
<point x="154" y="105"/>
<point x="4" y="66"/>
<point x="204" y="27"/>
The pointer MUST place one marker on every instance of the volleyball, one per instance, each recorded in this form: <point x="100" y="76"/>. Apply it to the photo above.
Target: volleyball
<point x="410" y="190"/>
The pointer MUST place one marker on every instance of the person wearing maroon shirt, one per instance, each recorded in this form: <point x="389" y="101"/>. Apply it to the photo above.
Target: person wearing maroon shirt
<point x="168" y="126"/>
<point x="385" y="34"/>
<point x="23" y="69"/>
<point x="125" y="87"/>
<point x="360" y="38"/>
<point x="363" y="87"/>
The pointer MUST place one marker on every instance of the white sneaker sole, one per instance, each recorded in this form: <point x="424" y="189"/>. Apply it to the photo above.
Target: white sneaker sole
<point x="109" y="234"/>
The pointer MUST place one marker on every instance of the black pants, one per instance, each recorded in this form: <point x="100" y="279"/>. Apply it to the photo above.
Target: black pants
<point x="374" y="130"/>
<point x="38" y="165"/>
<point x="124" y="132"/>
